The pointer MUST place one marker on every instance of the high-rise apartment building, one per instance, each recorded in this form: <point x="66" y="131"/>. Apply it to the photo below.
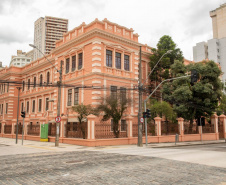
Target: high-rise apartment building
<point x="21" y="59"/>
<point x="46" y="31"/>
<point x="214" y="49"/>
<point x="218" y="21"/>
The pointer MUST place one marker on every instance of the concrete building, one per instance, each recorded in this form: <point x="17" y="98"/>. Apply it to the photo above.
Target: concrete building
<point x="21" y="59"/>
<point x="46" y="31"/>
<point x="218" y="22"/>
<point x="214" y="49"/>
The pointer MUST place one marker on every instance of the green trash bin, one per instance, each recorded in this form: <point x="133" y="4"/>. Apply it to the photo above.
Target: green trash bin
<point x="44" y="132"/>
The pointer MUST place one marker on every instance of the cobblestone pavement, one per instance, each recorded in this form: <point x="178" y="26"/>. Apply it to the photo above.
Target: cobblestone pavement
<point x="90" y="167"/>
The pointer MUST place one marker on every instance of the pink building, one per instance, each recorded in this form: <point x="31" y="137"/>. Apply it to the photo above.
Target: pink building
<point x="98" y="58"/>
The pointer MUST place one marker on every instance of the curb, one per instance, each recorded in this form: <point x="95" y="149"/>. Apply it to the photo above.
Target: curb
<point x="185" y="144"/>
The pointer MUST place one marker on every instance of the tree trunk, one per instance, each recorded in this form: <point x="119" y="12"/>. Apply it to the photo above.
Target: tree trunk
<point x="116" y="130"/>
<point x="82" y="130"/>
<point x="190" y="126"/>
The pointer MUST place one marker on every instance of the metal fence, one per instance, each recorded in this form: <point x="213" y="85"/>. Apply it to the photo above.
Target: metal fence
<point x="151" y="131"/>
<point x="52" y="129"/>
<point x="208" y="128"/>
<point x="7" y="129"/>
<point x="104" y="130"/>
<point x="33" y="130"/>
<point x="190" y="128"/>
<point x="20" y="128"/>
<point x="169" y="128"/>
<point x="75" y="130"/>
<point x="220" y="129"/>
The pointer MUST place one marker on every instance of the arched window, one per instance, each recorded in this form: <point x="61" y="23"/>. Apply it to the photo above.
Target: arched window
<point x="47" y="78"/>
<point x="40" y="80"/>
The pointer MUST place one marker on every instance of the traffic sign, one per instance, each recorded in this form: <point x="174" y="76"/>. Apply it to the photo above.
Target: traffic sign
<point x="58" y="119"/>
<point x="142" y="120"/>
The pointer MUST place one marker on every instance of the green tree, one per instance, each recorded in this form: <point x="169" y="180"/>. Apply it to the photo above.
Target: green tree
<point x="162" y="109"/>
<point x="201" y="99"/>
<point x="114" y="106"/>
<point x="83" y="111"/>
<point x="162" y="70"/>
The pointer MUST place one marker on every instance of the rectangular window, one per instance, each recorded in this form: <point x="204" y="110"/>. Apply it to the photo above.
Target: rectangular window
<point x="47" y="103"/>
<point x="22" y="106"/>
<point x="76" y="95"/>
<point x="23" y="85"/>
<point x="7" y="87"/>
<point x="27" y="106"/>
<point x="69" y="97"/>
<point x="109" y="58"/>
<point x="118" y="60"/>
<point x="39" y="105"/>
<point x="122" y="93"/>
<point x="33" y="106"/>
<point x="34" y="82"/>
<point x="123" y="125"/>
<point x="73" y="63"/>
<point x="79" y="61"/>
<point x="28" y="84"/>
<point x="2" y="109"/>
<point x="114" y="91"/>
<point x="6" y="108"/>
<point x="67" y="65"/>
<point x="126" y="62"/>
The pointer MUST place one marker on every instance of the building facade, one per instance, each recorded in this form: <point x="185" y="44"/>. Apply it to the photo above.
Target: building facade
<point x="21" y="59"/>
<point x="46" y="31"/>
<point x="214" y="49"/>
<point x="218" y="22"/>
<point x="98" y="59"/>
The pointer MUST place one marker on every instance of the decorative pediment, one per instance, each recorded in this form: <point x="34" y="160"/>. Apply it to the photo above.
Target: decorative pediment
<point x="117" y="46"/>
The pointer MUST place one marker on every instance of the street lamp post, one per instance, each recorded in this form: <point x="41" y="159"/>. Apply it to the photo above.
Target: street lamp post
<point x="18" y="106"/>
<point x="140" y="143"/>
<point x="59" y="93"/>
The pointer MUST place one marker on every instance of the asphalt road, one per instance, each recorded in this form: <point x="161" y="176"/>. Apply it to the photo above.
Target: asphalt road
<point x="114" y="165"/>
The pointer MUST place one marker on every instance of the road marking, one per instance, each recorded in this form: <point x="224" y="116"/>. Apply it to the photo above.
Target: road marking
<point x="40" y="147"/>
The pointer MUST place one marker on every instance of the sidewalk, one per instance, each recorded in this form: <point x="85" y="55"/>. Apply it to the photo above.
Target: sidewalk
<point x="188" y="143"/>
<point x="37" y="146"/>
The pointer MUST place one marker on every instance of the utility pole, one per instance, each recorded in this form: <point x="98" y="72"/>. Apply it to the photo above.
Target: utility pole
<point x="140" y="142"/>
<point x="23" y="129"/>
<point x="59" y="93"/>
<point x="18" y="106"/>
<point x="58" y="104"/>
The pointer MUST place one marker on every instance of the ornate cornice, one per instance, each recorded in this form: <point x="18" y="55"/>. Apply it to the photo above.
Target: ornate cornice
<point x="92" y="33"/>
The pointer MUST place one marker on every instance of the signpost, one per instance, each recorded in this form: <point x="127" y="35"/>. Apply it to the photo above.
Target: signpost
<point x="142" y="120"/>
<point x="58" y="119"/>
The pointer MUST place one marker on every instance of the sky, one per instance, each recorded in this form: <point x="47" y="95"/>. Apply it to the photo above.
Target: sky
<point x="187" y="22"/>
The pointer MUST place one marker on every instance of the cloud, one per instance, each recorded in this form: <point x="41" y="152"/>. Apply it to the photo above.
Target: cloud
<point x="197" y="17"/>
<point x="8" y="6"/>
<point x="13" y="35"/>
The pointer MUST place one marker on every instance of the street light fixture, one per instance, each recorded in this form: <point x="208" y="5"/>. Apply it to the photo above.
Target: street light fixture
<point x="59" y="93"/>
<point x="169" y="51"/>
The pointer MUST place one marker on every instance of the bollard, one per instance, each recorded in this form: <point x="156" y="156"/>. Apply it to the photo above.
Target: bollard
<point x="176" y="138"/>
